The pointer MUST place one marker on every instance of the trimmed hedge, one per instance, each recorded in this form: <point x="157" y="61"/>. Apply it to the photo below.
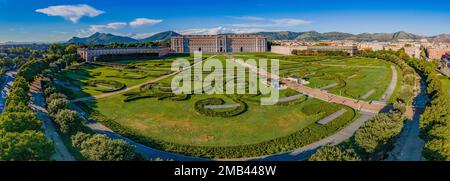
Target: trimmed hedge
<point x="200" y="108"/>
<point x="295" y="140"/>
<point x="115" y="85"/>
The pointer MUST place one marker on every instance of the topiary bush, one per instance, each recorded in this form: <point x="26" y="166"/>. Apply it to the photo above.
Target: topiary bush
<point x="106" y="85"/>
<point x="200" y="107"/>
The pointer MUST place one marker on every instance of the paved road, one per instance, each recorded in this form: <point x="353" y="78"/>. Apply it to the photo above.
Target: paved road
<point x="38" y="105"/>
<point x="5" y="87"/>
<point x="409" y="146"/>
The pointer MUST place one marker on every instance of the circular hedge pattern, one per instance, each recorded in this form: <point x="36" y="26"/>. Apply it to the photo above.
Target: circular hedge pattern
<point x="106" y="85"/>
<point x="200" y="107"/>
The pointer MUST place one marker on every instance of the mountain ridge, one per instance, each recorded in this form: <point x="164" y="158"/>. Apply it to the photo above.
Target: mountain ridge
<point x="107" y="38"/>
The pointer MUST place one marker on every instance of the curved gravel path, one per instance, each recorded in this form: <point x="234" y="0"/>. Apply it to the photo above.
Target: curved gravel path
<point x="409" y="145"/>
<point x="390" y="89"/>
<point x="38" y="106"/>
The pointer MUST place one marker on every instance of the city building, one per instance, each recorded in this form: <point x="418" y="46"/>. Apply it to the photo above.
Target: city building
<point x="90" y="54"/>
<point x="349" y="49"/>
<point x="287" y="50"/>
<point x="444" y="66"/>
<point x="218" y="43"/>
<point x="414" y="51"/>
<point x="438" y="52"/>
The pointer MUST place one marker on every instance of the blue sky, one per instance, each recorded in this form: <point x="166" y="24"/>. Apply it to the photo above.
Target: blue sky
<point x="59" y="20"/>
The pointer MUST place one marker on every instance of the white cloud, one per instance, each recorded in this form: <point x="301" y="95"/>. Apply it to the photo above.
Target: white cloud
<point x="144" y="21"/>
<point x="269" y="23"/>
<point x="218" y="30"/>
<point x="290" y="22"/>
<point x="109" y="26"/>
<point x="71" y="12"/>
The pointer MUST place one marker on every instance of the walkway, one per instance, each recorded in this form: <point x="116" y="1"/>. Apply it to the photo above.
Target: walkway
<point x="409" y="145"/>
<point x="38" y="106"/>
<point x="390" y="90"/>
<point x="5" y="87"/>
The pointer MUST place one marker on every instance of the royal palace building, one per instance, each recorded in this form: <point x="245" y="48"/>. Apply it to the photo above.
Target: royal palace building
<point x="90" y="54"/>
<point x="218" y="43"/>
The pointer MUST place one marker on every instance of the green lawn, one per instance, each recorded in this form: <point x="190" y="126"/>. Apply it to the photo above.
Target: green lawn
<point x="179" y="122"/>
<point x="355" y="76"/>
<point x="445" y="84"/>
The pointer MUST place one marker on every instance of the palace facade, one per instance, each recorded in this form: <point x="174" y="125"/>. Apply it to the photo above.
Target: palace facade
<point x="218" y="43"/>
<point x="90" y="54"/>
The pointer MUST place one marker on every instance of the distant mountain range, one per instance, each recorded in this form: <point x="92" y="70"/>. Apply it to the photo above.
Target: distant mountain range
<point x="381" y="37"/>
<point x="106" y="38"/>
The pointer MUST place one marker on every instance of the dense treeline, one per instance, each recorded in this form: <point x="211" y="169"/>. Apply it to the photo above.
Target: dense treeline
<point x="83" y="141"/>
<point x="335" y="153"/>
<point x="21" y="136"/>
<point x="435" y="121"/>
<point x="319" y="53"/>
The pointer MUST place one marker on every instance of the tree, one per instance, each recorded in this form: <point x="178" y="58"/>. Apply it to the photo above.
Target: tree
<point x="101" y="148"/>
<point x="334" y="153"/>
<point x="68" y="121"/>
<point x="25" y="146"/>
<point x="19" y="121"/>
<point x="71" y="49"/>
<point x="55" y="96"/>
<point x="378" y="133"/>
<point x="56" y="105"/>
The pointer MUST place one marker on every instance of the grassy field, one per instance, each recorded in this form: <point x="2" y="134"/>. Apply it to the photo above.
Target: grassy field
<point x="354" y="76"/>
<point x="445" y="84"/>
<point x="179" y="122"/>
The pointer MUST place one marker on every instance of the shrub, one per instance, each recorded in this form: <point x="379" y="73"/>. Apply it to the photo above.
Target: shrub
<point x="101" y="148"/>
<point x="25" y="146"/>
<point x="68" y="121"/>
<point x="56" y="105"/>
<point x="49" y="90"/>
<point x="377" y="135"/>
<point x="55" y="96"/>
<point x="335" y="153"/>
